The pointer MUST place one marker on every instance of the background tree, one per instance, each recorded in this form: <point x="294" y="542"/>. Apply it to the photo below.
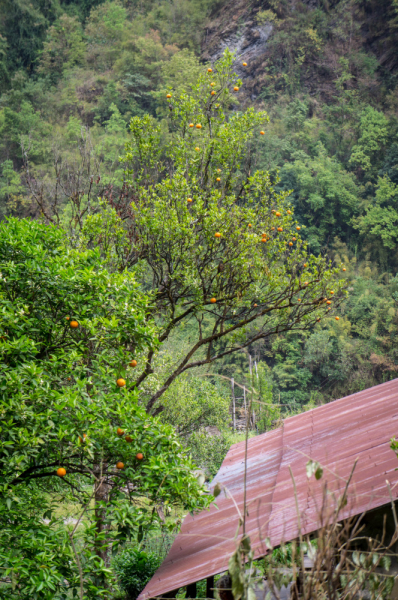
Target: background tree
<point x="64" y="47"/>
<point x="381" y="218"/>
<point x="198" y="409"/>
<point x="10" y="186"/>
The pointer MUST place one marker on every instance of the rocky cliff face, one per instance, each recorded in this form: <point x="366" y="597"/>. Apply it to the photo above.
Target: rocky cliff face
<point x="314" y="42"/>
<point x="236" y="27"/>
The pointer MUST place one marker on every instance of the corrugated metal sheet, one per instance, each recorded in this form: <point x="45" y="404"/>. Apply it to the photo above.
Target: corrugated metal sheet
<point x="359" y="426"/>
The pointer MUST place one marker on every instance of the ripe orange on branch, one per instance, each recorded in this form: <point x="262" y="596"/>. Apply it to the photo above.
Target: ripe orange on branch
<point x="61" y="472"/>
<point x="337" y="318"/>
<point x="217" y="234"/>
<point x="244" y="64"/>
<point x="139" y="456"/>
<point x="277" y="214"/>
<point x="218" y="178"/>
<point x="280" y="229"/>
<point x="191" y="125"/>
<point x="298" y="228"/>
<point x="213" y="300"/>
<point x="262" y="132"/>
<point x="212" y="93"/>
<point x="120" y="382"/>
<point x="120" y="465"/>
<point x="168" y="96"/>
<point x="198" y="126"/>
<point x="120" y="431"/>
<point x="236" y="89"/>
<point x="74" y="324"/>
<point x="133" y="363"/>
<point x="128" y="439"/>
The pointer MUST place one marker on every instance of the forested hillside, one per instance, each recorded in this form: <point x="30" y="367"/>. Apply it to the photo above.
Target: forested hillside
<point x="74" y="72"/>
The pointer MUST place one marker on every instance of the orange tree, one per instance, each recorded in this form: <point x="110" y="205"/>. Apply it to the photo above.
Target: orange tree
<point x="219" y="247"/>
<point x="69" y="330"/>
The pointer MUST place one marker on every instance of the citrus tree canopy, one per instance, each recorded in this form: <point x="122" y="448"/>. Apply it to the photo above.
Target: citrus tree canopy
<point x="69" y="330"/>
<point x="222" y="249"/>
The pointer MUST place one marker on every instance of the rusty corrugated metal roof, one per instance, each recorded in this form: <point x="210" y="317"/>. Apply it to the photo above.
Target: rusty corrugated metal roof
<point x="358" y="426"/>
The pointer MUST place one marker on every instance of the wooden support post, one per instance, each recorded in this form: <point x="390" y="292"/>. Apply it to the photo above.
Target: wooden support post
<point x="191" y="590"/>
<point x="233" y="404"/>
<point x="210" y="587"/>
<point x="244" y="398"/>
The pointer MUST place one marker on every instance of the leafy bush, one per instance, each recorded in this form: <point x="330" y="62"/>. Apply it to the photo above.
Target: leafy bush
<point x="134" y="568"/>
<point x="208" y="451"/>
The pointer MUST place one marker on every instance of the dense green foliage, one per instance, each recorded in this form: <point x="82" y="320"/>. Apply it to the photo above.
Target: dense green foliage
<point x="60" y="407"/>
<point x="134" y="568"/>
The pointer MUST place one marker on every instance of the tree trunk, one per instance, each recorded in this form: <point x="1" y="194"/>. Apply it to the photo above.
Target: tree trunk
<point x="101" y="495"/>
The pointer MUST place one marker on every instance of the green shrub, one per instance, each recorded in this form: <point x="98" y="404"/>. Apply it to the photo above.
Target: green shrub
<point x="134" y="568"/>
<point x="208" y="451"/>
